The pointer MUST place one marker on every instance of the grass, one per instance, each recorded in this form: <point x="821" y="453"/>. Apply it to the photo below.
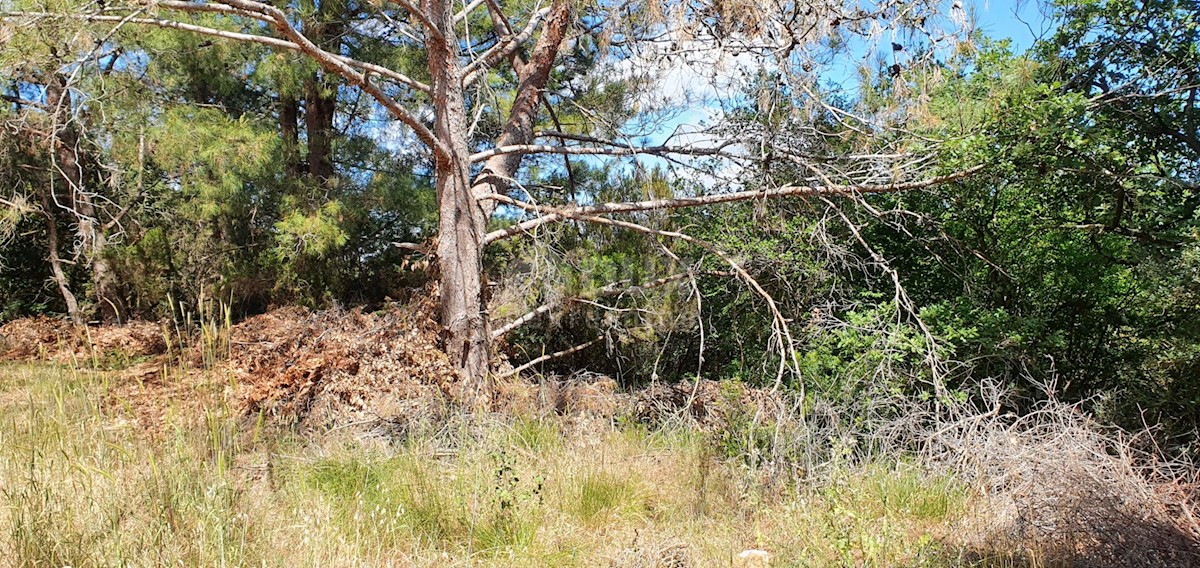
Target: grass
<point x="81" y="484"/>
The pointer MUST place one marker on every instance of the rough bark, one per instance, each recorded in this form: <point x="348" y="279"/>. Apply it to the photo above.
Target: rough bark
<point x="320" y="93"/>
<point x="320" y="104"/>
<point x="289" y="131"/>
<point x="519" y="129"/>
<point x="461" y="223"/>
<point x="462" y="217"/>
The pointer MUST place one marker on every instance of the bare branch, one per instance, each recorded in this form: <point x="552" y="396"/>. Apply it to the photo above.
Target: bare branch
<point x="551" y="214"/>
<point x="550" y="356"/>
<point x="614" y="150"/>
<point x="612" y="289"/>
<point x="235" y="36"/>
<point x="463" y="14"/>
<point x="211" y="7"/>
<point x="24" y="102"/>
<point x="779" y="323"/>
<point x="333" y="63"/>
<point x="296" y="41"/>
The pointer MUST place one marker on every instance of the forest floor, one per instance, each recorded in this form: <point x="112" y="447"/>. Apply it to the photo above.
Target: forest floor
<point x="332" y="439"/>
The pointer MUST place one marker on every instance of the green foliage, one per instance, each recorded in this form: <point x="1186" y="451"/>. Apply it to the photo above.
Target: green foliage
<point x="314" y="235"/>
<point x="214" y="160"/>
<point x="1068" y="259"/>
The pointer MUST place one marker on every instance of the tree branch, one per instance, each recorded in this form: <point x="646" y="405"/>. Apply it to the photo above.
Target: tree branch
<point x="612" y="289"/>
<point x="779" y="323"/>
<point x="600" y="150"/>
<point x="551" y="214"/>
<point x="420" y="14"/>
<point x="295" y="41"/>
<point x="522" y="116"/>
<point x="235" y="36"/>
<point x="466" y="11"/>
<point x="24" y="102"/>
<point x="502" y="50"/>
<point x="333" y="63"/>
<point x="550" y="356"/>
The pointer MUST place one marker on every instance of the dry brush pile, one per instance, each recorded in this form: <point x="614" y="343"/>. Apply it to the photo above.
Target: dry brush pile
<point x="1062" y="488"/>
<point x="1049" y="487"/>
<point x="57" y="340"/>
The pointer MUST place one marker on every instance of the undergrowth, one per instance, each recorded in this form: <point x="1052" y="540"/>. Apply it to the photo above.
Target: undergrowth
<point x="81" y="484"/>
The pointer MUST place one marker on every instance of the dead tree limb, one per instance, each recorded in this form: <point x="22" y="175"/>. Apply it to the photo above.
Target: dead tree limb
<point x="779" y="323"/>
<point x="550" y="356"/>
<point x="552" y="214"/>
<point x="607" y="291"/>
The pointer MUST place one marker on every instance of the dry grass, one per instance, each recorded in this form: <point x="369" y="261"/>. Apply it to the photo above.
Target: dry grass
<point x="1059" y="489"/>
<point x="82" y="485"/>
<point x="689" y="475"/>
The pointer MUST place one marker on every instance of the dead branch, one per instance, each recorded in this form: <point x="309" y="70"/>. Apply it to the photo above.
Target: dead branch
<point x="357" y="73"/>
<point x="550" y="356"/>
<point x="604" y="150"/>
<point x="502" y="50"/>
<point x="234" y="36"/>
<point x="608" y="291"/>
<point x="466" y="11"/>
<point x="779" y="324"/>
<point x="551" y="214"/>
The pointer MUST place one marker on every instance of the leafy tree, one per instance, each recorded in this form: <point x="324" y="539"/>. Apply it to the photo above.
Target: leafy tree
<point x="463" y="52"/>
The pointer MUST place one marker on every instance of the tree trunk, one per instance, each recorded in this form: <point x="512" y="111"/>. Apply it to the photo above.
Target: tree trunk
<point x="92" y="240"/>
<point x="460" y="220"/>
<point x="289" y="131"/>
<point x="56" y="271"/>
<point x="110" y="306"/>
<point x="320" y="102"/>
<point x="320" y="91"/>
<point x="532" y="76"/>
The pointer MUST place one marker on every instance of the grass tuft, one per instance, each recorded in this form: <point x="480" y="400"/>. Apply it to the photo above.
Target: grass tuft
<point x="603" y="494"/>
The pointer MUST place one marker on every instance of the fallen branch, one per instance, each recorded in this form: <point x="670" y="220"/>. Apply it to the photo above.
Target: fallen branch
<point x="779" y="323"/>
<point x="550" y="356"/>
<point x="605" y="292"/>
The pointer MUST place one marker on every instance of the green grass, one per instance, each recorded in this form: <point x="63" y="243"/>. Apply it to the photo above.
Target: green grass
<point x="81" y="484"/>
<point x="604" y="494"/>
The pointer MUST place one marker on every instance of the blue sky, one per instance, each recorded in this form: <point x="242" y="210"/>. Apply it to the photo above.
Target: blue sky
<point x="1020" y="21"/>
